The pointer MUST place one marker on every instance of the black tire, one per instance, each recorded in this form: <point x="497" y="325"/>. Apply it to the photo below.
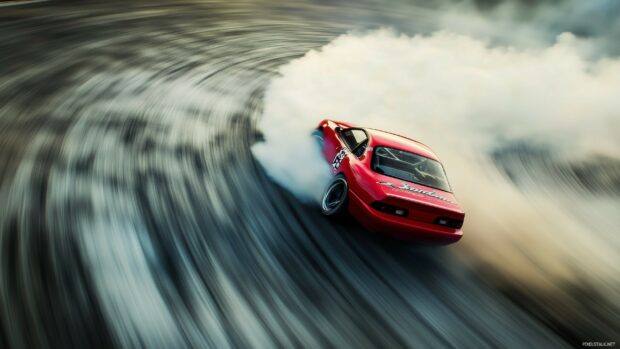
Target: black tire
<point x="335" y="198"/>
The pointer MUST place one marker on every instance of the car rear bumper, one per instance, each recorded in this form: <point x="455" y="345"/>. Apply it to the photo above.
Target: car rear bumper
<point x="399" y="227"/>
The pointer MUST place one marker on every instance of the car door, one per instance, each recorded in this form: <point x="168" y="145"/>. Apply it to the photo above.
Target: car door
<point x="352" y="146"/>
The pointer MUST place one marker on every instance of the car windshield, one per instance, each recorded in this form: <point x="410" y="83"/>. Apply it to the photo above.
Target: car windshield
<point x="409" y="167"/>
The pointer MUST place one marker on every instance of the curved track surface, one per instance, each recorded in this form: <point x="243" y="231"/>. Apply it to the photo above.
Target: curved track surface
<point x="133" y="213"/>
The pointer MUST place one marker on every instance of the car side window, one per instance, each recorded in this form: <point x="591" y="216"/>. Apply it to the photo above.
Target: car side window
<point x="355" y="139"/>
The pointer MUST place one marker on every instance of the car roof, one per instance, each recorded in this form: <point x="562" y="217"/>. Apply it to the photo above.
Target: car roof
<point x="392" y="140"/>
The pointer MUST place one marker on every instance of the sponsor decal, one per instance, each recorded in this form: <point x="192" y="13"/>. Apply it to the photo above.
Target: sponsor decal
<point x="338" y="159"/>
<point x="407" y="187"/>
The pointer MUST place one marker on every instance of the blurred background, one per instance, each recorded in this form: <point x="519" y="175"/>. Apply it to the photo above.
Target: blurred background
<point x="154" y="161"/>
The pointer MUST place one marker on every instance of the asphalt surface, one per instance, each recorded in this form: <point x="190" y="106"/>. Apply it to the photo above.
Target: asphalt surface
<point x="133" y="213"/>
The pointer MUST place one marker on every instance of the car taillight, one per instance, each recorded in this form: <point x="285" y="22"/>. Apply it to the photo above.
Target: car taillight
<point x="449" y="222"/>
<point x="391" y="209"/>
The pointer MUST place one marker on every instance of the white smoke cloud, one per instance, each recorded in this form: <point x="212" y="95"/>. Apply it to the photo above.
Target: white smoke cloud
<point x="448" y="90"/>
<point x="538" y="23"/>
<point x="462" y="97"/>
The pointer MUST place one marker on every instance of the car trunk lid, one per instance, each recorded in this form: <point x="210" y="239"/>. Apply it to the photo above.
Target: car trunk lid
<point x="422" y="203"/>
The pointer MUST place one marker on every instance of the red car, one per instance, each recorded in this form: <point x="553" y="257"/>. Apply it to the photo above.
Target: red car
<point x="389" y="183"/>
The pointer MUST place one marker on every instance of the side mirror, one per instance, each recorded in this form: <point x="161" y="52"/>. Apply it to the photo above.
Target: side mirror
<point x="338" y="129"/>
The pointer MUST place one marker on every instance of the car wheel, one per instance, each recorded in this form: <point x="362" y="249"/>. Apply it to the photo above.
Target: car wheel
<point x="334" y="201"/>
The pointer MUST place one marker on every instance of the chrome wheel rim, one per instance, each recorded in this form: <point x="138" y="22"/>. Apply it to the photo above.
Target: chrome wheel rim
<point x="334" y="196"/>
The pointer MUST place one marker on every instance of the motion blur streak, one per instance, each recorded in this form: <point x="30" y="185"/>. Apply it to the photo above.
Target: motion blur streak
<point x="133" y="212"/>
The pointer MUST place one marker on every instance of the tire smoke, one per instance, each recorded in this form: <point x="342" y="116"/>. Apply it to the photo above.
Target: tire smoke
<point x="473" y="103"/>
